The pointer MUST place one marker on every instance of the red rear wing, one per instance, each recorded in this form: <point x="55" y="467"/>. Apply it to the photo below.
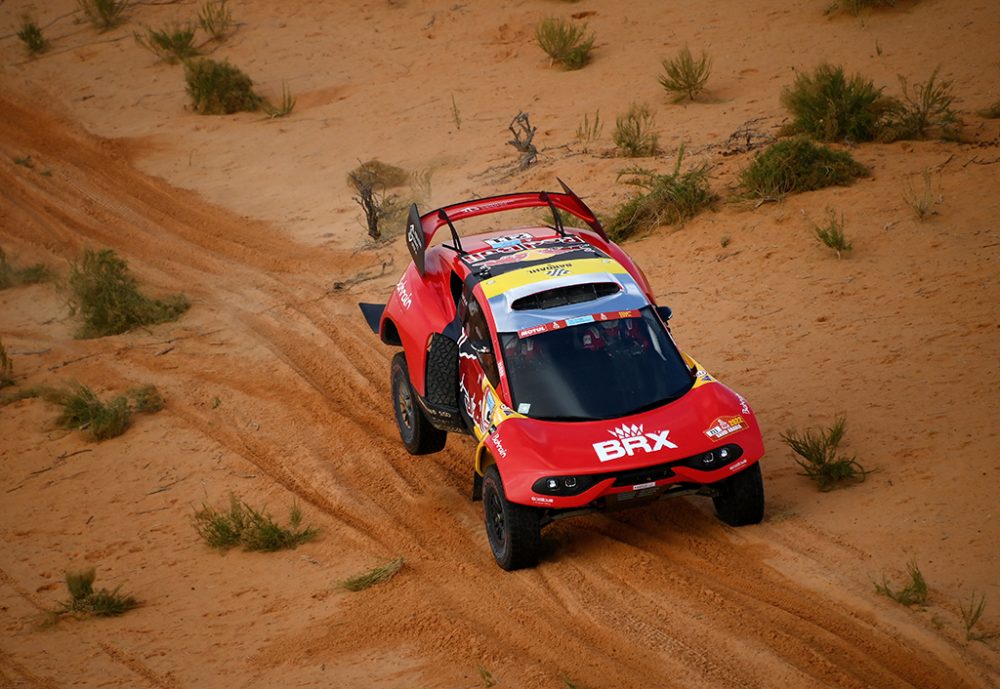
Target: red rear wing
<point x="420" y="229"/>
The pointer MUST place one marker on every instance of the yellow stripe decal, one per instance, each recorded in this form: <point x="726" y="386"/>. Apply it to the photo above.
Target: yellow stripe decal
<point x="549" y="271"/>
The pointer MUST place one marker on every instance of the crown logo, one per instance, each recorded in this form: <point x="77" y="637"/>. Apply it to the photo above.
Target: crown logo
<point x="625" y="431"/>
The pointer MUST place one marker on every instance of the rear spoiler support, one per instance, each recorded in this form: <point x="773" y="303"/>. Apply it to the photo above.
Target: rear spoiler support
<point x="420" y="229"/>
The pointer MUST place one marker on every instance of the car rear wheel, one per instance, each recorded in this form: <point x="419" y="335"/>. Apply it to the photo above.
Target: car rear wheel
<point x="418" y="435"/>
<point x="740" y="499"/>
<point x="513" y="530"/>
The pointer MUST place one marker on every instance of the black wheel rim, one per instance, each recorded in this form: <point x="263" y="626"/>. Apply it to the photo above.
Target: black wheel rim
<point x="495" y="521"/>
<point x="404" y="406"/>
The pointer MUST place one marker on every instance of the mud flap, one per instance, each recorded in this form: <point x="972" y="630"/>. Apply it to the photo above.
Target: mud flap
<point x="373" y="315"/>
<point x="415" y="241"/>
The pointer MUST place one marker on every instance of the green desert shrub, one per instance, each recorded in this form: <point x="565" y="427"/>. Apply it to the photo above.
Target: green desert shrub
<point x="831" y="233"/>
<point x="685" y="77"/>
<point x="83" y="410"/>
<point x="215" y="19"/>
<point x="171" y="44"/>
<point x="218" y="88"/>
<point x="11" y="275"/>
<point x="828" y="106"/>
<point x="373" y="576"/>
<point x="991" y="112"/>
<point x="924" y="109"/>
<point x="856" y="7"/>
<point x="6" y="368"/>
<point x="633" y="132"/>
<point x="913" y="593"/>
<point x="564" y="42"/>
<point x="284" y="107"/>
<point x="104" y="14"/>
<point x="669" y="199"/>
<point x="31" y="36"/>
<point x="820" y="459"/>
<point x="253" y="529"/>
<point x="108" y="297"/>
<point x="85" y="601"/>
<point x="796" y="165"/>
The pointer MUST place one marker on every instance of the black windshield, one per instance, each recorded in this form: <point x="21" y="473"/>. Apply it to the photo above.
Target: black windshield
<point x="596" y="370"/>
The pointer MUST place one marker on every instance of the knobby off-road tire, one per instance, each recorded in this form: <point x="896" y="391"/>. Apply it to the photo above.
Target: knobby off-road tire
<point x="741" y="498"/>
<point x="418" y="435"/>
<point x="513" y="530"/>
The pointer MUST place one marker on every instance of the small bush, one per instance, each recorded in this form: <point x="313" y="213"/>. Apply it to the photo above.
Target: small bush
<point x="564" y="42"/>
<point x="796" y="165"/>
<point x="219" y="88"/>
<point x="85" y="601"/>
<point x="684" y="76"/>
<point x="665" y="199"/>
<point x="171" y="44"/>
<point x="378" y="174"/>
<point x="104" y="14"/>
<point x="922" y="201"/>
<point x="282" y="109"/>
<point x="215" y="19"/>
<point x="915" y="591"/>
<point x="632" y="132"/>
<point x="146" y="399"/>
<point x="253" y="529"/>
<point x="31" y="35"/>
<point x="589" y="131"/>
<point x="991" y="112"/>
<point x="108" y="298"/>
<point x="82" y="410"/>
<point x="6" y="368"/>
<point x="373" y="576"/>
<point x="819" y="457"/>
<point x="828" y="106"/>
<point x="971" y="616"/>
<point x="924" y="109"/>
<point x="856" y="7"/>
<point x="11" y="275"/>
<point x="831" y="233"/>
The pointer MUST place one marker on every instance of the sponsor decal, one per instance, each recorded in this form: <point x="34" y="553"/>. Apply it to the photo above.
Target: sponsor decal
<point x="641" y="486"/>
<point x="544" y="501"/>
<point x="631" y="440"/>
<point x="501" y="450"/>
<point x="507" y="240"/>
<point x="725" y="425"/>
<point x="556" y="325"/>
<point x="404" y="293"/>
<point x="736" y="466"/>
<point x="744" y="407"/>
<point x="553" y="269"/>
<point x="414" y="237"/>
<point x="524" y="407"/>
<point x="552" y="245"/>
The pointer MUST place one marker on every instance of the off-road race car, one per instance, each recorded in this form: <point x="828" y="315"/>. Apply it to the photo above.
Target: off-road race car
<point x="545" y="343"/>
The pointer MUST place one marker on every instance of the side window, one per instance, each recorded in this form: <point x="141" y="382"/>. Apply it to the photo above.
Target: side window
<point x="479" y="340"/>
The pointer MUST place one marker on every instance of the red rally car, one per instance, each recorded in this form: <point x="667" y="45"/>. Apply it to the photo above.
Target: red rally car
<point x="545" y="344"/>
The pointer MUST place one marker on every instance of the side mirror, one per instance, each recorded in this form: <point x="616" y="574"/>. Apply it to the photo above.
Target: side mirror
<point x="665" y="313"/>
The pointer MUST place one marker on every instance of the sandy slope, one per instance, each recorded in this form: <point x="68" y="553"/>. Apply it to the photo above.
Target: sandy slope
<point x="276" y="390"/>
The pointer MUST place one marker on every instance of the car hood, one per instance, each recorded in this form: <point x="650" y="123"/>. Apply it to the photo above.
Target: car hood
<point x="707" y="416"/>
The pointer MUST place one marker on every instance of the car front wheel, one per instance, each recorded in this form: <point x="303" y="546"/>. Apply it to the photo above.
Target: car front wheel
<point x="740" y="499"/>
<point x="418" y="435"/>
<point x="513" y="530"/>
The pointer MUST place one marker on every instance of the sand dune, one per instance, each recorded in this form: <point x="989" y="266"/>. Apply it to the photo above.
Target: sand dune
<point x="277" y="391"/>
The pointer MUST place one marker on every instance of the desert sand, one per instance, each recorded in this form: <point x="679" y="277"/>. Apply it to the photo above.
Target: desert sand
<point x="277" y="391"/>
